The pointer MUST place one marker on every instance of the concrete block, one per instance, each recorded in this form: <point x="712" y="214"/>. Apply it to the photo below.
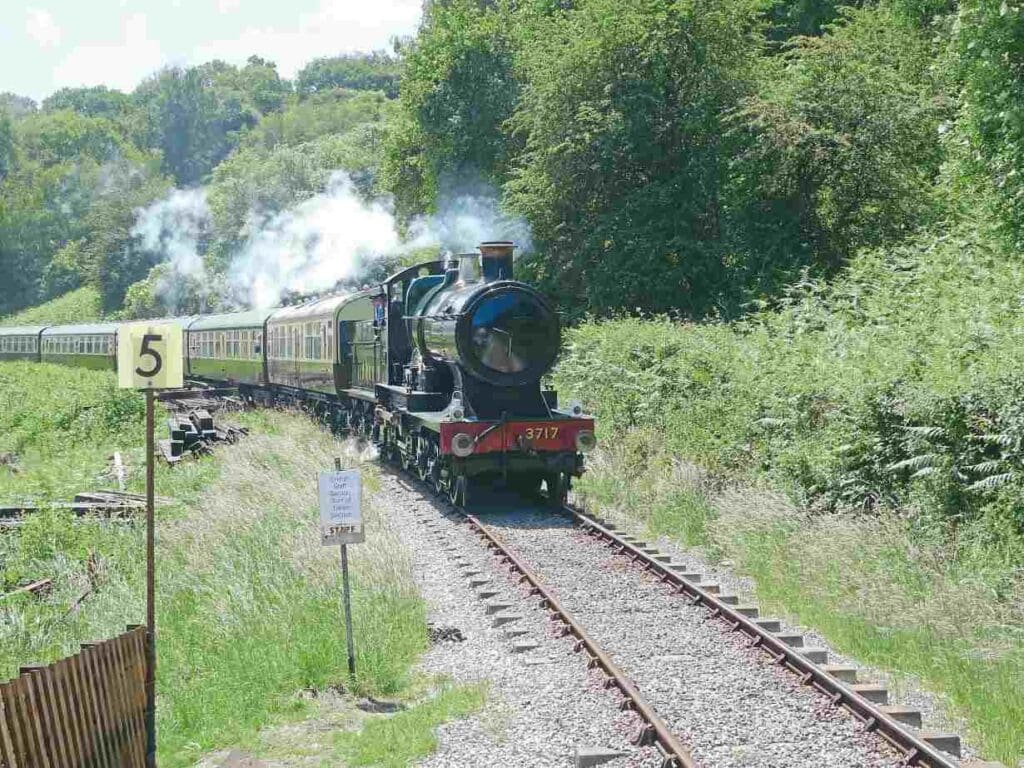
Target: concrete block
<point x="792" y="639"/>
<point x="496" y="607"/>
<point x="513" y="632"/>
<point x="815" y="655"/>
<point x="947" y="742"/>
<point x="502" y="619"/>
<point x="842" y="672"/>
<point x="711" y="589"/>
<point x="525" y="646"/>
<point x="663" y="558"/>
<point x="486" y="593"/>
<point x="687" y="574"/>
<point x="769" y="625"/>
<point x="729" y="599"/>
<point x="750" y="611"/>
<point x="586" y="757"/>
<point x="478" y="581"/>
<point x="873" y="692"/>
<point x="911" y="717"/>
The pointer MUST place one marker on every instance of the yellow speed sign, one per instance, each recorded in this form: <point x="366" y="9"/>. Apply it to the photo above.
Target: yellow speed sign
<point x="149" y="356"/>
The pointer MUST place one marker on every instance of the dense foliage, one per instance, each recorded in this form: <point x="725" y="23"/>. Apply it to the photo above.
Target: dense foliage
<point x="77" y="170"/>
<point x="685" y="156"/>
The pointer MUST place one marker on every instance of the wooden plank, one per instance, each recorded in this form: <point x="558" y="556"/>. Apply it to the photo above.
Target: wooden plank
<point x="83" y="706"/>
<point x="36" y="587"/>
<point x="7" y="754"/>
<point x="51" y="705"/>
<point x="108" y="658"/>
<point x="99" y="720"/>
<point x="61" y="673"/>
<point x="134" y="718"/>
<point x="39" y="723"/>
<point x="12" y="729"/>
<point x="137" y="653"/>
<point x="25" y="732"/>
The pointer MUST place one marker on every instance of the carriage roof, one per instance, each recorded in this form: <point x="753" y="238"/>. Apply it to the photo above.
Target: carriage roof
<point x="253" y="318"/>
<point x="22" y="330"/>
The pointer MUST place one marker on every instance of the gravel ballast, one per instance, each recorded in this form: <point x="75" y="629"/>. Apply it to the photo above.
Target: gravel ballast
<point x="727" y="702"/>
<point x="542" y="704"/>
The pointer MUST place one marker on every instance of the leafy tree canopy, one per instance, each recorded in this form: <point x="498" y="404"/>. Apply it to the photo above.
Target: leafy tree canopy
<point x="377" y="71"/>
<point x="98" y="101"/>
<point x="16" y="105"/>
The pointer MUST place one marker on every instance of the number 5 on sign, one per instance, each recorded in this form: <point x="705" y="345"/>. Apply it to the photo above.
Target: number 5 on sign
<point x="149" y="356"/>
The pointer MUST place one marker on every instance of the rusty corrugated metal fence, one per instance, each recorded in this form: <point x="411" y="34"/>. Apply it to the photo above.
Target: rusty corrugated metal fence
<point x="85" y="710"/>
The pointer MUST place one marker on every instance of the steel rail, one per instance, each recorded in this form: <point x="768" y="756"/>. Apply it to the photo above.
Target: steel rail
<point x="914" y="750"/>
<point x="656" y="731"/>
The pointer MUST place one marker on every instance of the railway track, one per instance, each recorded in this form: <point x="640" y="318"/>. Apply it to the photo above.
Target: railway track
<point x="837" y="685"/>
<point x="814" y="691"/>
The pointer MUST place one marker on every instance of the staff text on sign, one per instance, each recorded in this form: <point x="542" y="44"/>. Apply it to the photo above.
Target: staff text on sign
<point x="341" y="520"/>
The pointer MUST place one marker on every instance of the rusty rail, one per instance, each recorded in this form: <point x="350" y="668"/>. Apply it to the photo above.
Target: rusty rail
<point x="85" y="710"/>
<point x="656" y="731"/>
<point x="914" y="750"/>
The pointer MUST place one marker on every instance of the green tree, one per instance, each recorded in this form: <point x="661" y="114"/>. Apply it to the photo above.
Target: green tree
<point x="991" y="47"/>
<point x="458" y="89"/>
<point x="98" y="101"/>
<point x="16" y="105"/>
<point x="376" y="71"/>
<point x="839" y="149"/>
<point x="623" y="166"/>
<point x="6" y="144"/>
<point x="334" y="112"/>
<point x="65" y="136"/>
<point x="196" y="116"/>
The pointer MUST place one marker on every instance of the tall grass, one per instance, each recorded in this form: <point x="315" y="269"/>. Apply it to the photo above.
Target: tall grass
<point x="82" y="305"/>
<point x="886" y="405"/>
<point x="251" y="609"/>
<point x="249" y="602"/>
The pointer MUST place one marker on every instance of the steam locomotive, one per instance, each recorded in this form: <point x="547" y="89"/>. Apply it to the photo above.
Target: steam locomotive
<point x="440" y="366"/>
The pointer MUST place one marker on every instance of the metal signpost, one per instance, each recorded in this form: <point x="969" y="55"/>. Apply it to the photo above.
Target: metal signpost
<point x="149" y="357"/>
<point x="341" y="522"/>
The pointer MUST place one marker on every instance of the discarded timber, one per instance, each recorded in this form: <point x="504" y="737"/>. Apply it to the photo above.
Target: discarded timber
<point x="40" y="587"/>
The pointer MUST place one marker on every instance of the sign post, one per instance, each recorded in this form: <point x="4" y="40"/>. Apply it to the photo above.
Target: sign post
<point x="150" y="357"/>
<point x="341" y="522"/>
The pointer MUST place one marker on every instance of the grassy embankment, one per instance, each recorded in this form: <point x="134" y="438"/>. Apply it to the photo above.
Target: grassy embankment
<point x="888" y="408"/>
<point x="248" y="600"/>
<point x="79" y="306"/>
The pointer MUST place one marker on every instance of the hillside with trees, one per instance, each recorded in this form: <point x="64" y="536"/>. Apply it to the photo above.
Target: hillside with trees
<point x="76" y="170"/>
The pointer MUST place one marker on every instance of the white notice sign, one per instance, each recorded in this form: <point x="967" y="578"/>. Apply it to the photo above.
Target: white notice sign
<point x="341" y="520"/>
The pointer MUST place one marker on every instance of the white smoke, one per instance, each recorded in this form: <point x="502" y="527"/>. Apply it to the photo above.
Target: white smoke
<point x="171" y="228"/>
<point x="463" y="221"/>
<point x="313" y="245"/>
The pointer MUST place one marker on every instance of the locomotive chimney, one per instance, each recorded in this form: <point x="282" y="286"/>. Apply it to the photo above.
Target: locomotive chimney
<point x="469" y="267"/>
<point x="496" y="259"/>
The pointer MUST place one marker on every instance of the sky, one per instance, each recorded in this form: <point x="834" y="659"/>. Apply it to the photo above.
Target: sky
<point x="50" y="44"/>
